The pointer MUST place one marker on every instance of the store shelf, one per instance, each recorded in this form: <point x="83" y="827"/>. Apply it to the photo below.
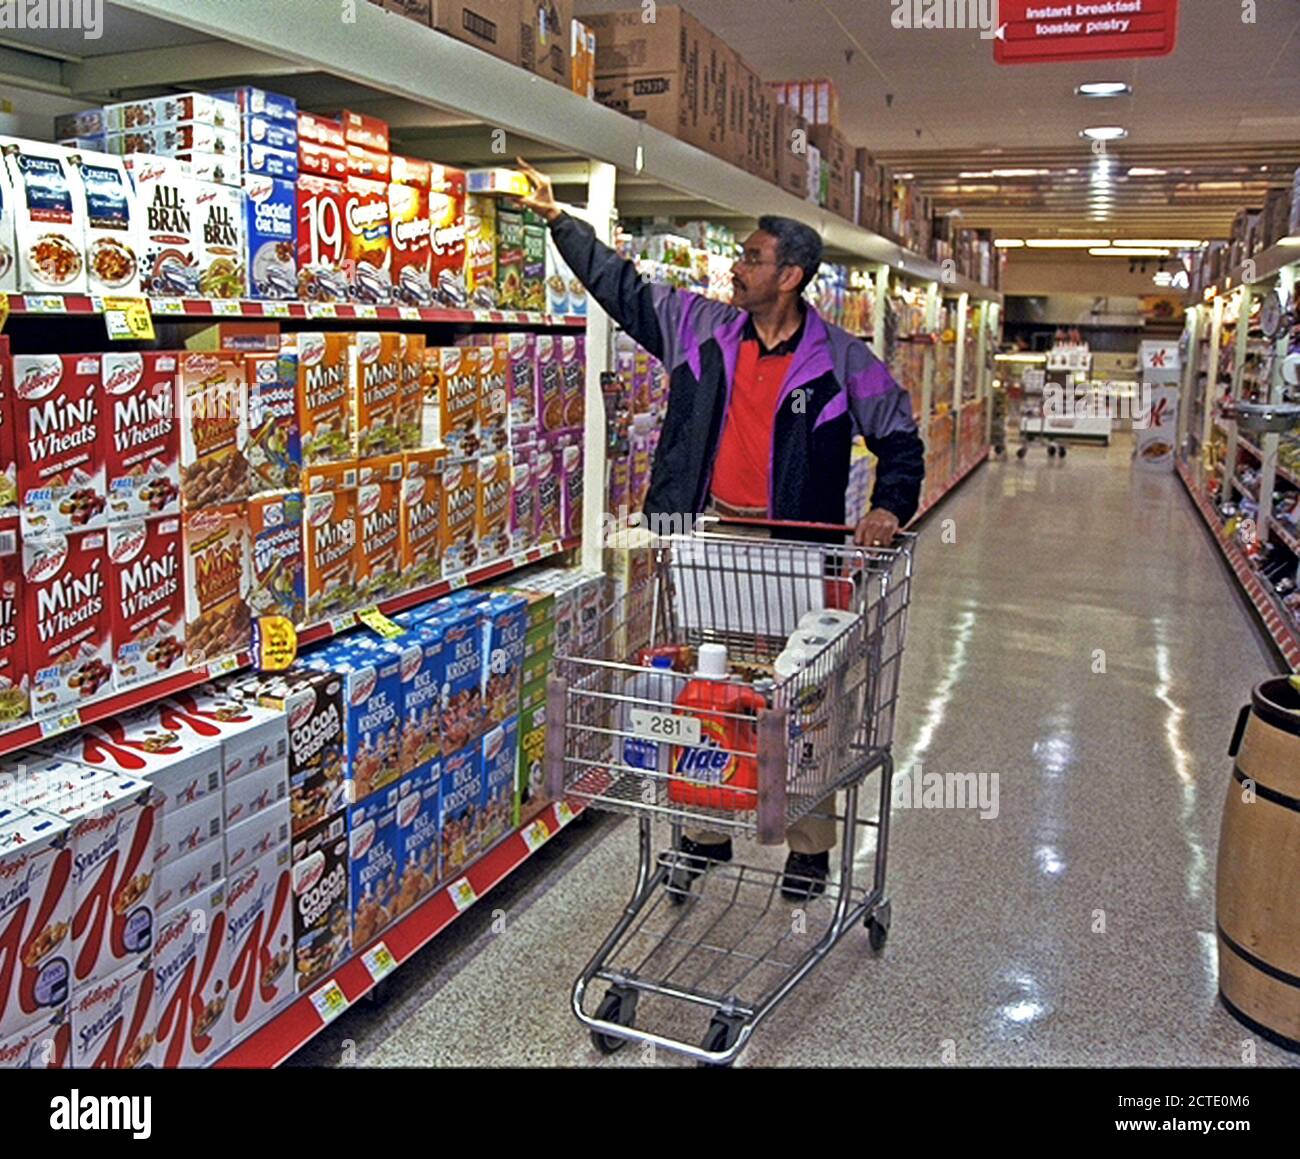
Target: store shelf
<point x="1244" y="488"/>
<point x="1285" y="634"/>
<point x="300" y="1021"/>
<point x="1284" y="536"/>
<point x="953" y="483"/>
<point x="21" y="735"/>
<point x="1267" y="263"/>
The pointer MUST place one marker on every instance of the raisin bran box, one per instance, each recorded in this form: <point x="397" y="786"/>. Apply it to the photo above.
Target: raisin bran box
<point x="414" y="380"/>
<point x="191" y="975"/>
<point x="409" y="225"/>
<point x="213" y="389"/>
<point x="145" y="576"/>
<point x="165" y="194"/>
<point x="379" y="514"/>
<point x="271" y="229"/>
<point x="259" y="925"/>
<point x="418" y="817"/>
<point x="325" y="398"/>
<point x="49" y="218"/>
<point x="276" y="582"/>
<point x="367" y="241"/>
<point x="15" y="683"/>
<point x="375" y="370"/>
<point x="462" y="796"/>
<point x="330" y="552"/>
<point x="500" y="765"/>
<point x="67" y="625"/>
<point x="274" y="450"/>
<point x="217" y="619"/>
<point x="60" y="445"/>
<point x="322" y="918"/>
<point x="495" y="484"/>
<point x="421" y="513"/>
<point x="374" y="857"/>
<point x="112" y="1021"/>
<point x="143" y="439"/>
<point x="322" y="239"/>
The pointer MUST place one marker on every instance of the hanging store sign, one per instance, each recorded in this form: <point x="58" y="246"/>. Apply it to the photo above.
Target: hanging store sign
<point x="1039" y="31"/>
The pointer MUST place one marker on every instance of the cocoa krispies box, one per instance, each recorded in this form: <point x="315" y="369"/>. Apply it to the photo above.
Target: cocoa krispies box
<point x="322" y="917"/>
<point x="142" y="446"/>
<point x="146" y="599"/>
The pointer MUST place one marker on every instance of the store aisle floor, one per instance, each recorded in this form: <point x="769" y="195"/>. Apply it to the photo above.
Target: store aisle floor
<point x="1075" y="644"/>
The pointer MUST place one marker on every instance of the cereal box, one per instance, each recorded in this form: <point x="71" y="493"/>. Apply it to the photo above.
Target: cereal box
<point x="481" y="251"/>
<point x="367" y="163"/>
<point x="569" y="465"/>
<point x="112" y="1023"/>
<point x="213" y="390"/>
<point x="274" y="450"/>
<point x="573" y="376"/>
<point x="454" y="392"/>
<point x="222" y="246"/>
<point x="266" y="161"/>
<point x="330" y="552"/>
<point x="531" y="781"/>
<point x="505" y="623"/>
<point x="49" y="218"/>
<point x="410" y="399"/>
<point x="510" y="255"/>
<point x="447" y="236"/>
<point x="459" y="538"/>
<point x="35" y="917"/>
<point x="145" y="596"/>
<point x="165" y="193"/>
<point x="81" y="123"/>
<point x="374" y="856"/>
<point x="262" y="834"/>
<point x="495" y="486"/>
<point x="143" y="437"/>
<point x="191" y="973"/>
<point x="8" y="434"/>
<point x="408" y="222"/>
<point x="45" y="1044"/>
<point x="500" y="765"/>
<point x="255" y="102"/>
<point x="317" y="160"/>
<point x="461" y="805"/>
<point x="521" y="376"/>
<point x="66" y="622"/>
<point x="180" y="878"/>
<point x="533" y="286"/>
<point x="322" y="918"/>
<point x="523" y="513"/>
<point x="546" y="493"/>
<point x="359" y="129"/>
<point x="275" y="533"/>
<point x="379" y="511"/>
<point x="8" y="201"/>
<point x="421" y="514"/>
<point x="113" y="224"/>
<point x="375" y="368"/>
<point x="174" y="138"/>
<point x="264" y="790"/>
<point x="367" y="240"/>
<point x="322" y="239"/>
<point x="15" y="688"/>
<point x="494" y="398"/>
<point x="462" y="677"/>
<point x="60" y="448"/>
<point x="271" y="229"/>
<point x="418" y="818"/>
<point x="422" y="677"/>
<point x="550" y="382"/>
<point x="207" y="108"/>
<point x="31" y="777"/>
<point x="251" y="737"/>
<point x="259" y="925"/>
<point x="324" y="398"/>
<point x="322" y="129"/>
<point x="271" y="132"/>
<point x="217" y="619"/>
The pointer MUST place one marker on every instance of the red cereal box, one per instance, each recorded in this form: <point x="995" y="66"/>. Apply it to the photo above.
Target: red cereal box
<point x="447" y="236"/>
<point x="67" y="629"/>
<point x="8" y="449"/>
<point x="367" y="239"/>
<point x="216" y="582"/>
<point x="323" y="130"/>
<point x="60" y="450"/>
<point x="15" y="689"/>
<point x="143" y="443"/>
<point x="213" y="391"/>
<point x="322" y="240"/>
<point x="369" y="132"/>
<point x="408" y="222"/>
<point x="146" y="598"/>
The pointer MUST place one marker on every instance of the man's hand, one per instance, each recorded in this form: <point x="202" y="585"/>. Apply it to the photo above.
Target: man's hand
<point x="542" y="199"/>
<point x="877" y="529"/>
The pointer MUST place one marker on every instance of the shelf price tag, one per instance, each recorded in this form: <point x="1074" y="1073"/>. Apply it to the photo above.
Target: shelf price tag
<point x="457" y="581"/>
<point x="563" y="814"/>
<point x="379" y="961"/>
<point x="223" y="664"/>
<point x="228" y="307"/>
<point x="343" y="623"/>
<point x="275" y="309"/>
<point x="128" y="319"/>
<point x="377" y="622"/>
<point x="322" y="310"/>
<point x="167" y="305"/>
<point x="536" y="835"/>
<point x="409" y="313"/>
<point x="330" y="1001"/>
<point x="60" y="722"/>
<point x="462" y="894"/>
<point x="43" y="303"/>
<point x="364" y="310"/>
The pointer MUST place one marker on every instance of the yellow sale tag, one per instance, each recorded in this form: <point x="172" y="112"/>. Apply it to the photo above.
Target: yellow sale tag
<point x="4" y="310"/>
<point x="329" y="1000"/>
<point x="277" y="643"/>
<point x="462" y="893"/>
<point x="536" y="835"/>
<point x="379" y="961"/>
<point x="377" y="622"/>
<point x="128" y="319"/>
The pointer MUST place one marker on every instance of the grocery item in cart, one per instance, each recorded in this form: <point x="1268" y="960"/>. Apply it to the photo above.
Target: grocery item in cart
<point x="325" y="398"/>
<point x="146" y="598"/>
<point x="461" y="821"/>
<point x="217" y="621"/>
<point x="421" y="513"/>
<point x="379" y="559"/>
<point x="15" y="686"/>
<point x="277" y="585"/>
<point x="459" y="538"/>
<point x="374" y="861"/>
<point x="191" y="971"/>
<point x="259" y="921"/>
<point x="142" y="442"/>
<point x="165" y="196"/>
<point x="49" y="218"/>
<point x="274" y="449"/>
<point x="655" y="690"/>
<point x="375" y="369"/>
<point x="113" y="224"/>
<point x="322" y="239"/>
<point x="213" y="390"/>
<point x="112" y="1024"/>
<point x="60" y="442"/>
<point x="418" y="819"/>
<point x="271" y="229"/>
<point x="322" y="924"/>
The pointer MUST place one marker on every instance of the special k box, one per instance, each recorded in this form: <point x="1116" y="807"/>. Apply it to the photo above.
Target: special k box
<point x="492" y="515"/>
<point x="142" y="442"/>
<point x="112" y="1023"/>
<point x="379" y="515"/>
<point x="191" y="973"/>
<point x="259" y="933"/>
<point x="251" y="737"/>
<point x="263" y="833"/>
<point x="146" y="599"/>
<point x="410" y="397"/>
<point x="35" y="917"/>
<point x="216" y="583"/>
<point x="67" y="627"/>
<point x="60" y="449"/>
<point x="367" y="241"/>
<point x="375" y="371"/>
<point x="277" y="582"/>
<point x="325" y="405"/>
<point x="45" y="1044"/>
<point x="213" y="390"/>
<point x="459" y="540"/>
<point x="322" y="923"/>
<point x="421" y="515"/>
<point x="261" y="791"/>
<point x="330" y="552"/>
<point x="322" y="239"/>
<point x="409" y="224"/>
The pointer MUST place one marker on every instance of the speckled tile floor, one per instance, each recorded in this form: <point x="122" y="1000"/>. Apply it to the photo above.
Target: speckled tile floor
<point x="1074" y="928"/>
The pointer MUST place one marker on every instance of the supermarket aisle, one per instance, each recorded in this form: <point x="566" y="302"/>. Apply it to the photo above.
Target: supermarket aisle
<point x="1077" y="642"/>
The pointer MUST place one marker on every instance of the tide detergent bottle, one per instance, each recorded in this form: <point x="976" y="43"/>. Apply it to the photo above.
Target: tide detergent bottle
<point x="721" y="772"/>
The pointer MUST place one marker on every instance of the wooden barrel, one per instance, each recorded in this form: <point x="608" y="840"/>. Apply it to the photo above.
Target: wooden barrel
<point x="1258" y="888"/>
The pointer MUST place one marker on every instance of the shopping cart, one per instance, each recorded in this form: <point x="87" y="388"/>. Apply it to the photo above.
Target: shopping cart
<point x="727" y="945"/>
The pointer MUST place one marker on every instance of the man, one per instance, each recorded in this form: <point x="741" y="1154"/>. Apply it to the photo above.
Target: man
<point x="764" y="399"/>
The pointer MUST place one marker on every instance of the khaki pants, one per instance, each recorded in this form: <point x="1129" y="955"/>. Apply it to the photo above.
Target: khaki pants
<point x="810" y="835"/>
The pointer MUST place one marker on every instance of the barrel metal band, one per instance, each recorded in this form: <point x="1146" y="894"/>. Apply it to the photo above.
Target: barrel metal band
<point x="1280" y="718"/>
<point x="1268" y="794"/>
<point x="1262" y="966"/>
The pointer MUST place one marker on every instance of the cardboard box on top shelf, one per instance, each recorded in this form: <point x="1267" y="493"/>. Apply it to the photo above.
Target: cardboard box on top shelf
<point x="837" y="161"/>
<point x="721" y="100"/>
<point x="492" y="25"/>
<point x="582" y="59"/>
<point x="418" y="10"/>
<point x="544" y="31"/>
<point x="789" y="145"/>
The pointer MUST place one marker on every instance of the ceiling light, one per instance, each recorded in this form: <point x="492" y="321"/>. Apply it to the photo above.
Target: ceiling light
<point x="1021" y="172"/>
<point x="1104" y="133"/>
<point x="1008" y="243"/>
<point x="1160" y="243"/>
<point x="1103" y="89"/>
<point x="904" y="176"/>
<point x="1145" y="171"/>
<point x="1118" y="251"/>
<point x="1293" y="240"/>
<point x="1065" y="243"/>
<point x="968" y="174"/>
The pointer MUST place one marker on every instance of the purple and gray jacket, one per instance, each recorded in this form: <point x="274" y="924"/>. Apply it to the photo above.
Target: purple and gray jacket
<point x="835" y="387"/>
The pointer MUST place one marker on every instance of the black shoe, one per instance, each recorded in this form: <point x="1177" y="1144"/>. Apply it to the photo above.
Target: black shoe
<point x="693" y="859"/>
<point x="805" y="875"/>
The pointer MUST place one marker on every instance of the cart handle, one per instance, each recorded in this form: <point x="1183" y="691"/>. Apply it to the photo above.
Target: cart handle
<point x="792" y="524"/>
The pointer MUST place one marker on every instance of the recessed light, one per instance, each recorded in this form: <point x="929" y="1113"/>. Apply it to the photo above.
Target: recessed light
<point x="1145" y="171"/>
<point x="1008" y="243"/>
<point x="1161" y="243"/>
<point x="1103" y="89"/>
<point x="1131" y="251"/>
<point x="1104" y="133"/>
<point x="1065" y="243"/>
<point x="1021" y="172"/>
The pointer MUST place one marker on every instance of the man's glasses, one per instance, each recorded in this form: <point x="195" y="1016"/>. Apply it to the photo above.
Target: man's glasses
<point x="753" y="259"/>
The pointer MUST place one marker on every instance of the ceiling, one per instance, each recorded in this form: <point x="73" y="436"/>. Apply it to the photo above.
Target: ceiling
<point x="1221" y="114"/>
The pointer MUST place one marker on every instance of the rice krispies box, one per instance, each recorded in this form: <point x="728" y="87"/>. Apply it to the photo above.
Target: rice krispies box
<point x="322" y="917"/>
<point x="277" y="584"/>
<point x="165" y="194"/>
<point x="191" y="975"/>
<point x="15" y="684"/>
<point x="213" y="390"/>
<point x="461" y="719"/>
<point x="500" y="763"/>
<point x="49" y="218"/>
<point x="146" y="599"/>
<point x="410" y="227"/>
<point x="495" y="485"/>
<point x="60" y="449"/>
<point x="112" y="1021"/>
<point x="420" y="651"/>
<point x="67" y="625"/>
<point x="271" y="228"/>
<point x="375" y="370"/>
<point x="217" y="619"/>
<point x="274" y="450"/>
<point x="421" y="512"/>
<point x="259" y="930"/>
<point x="322" y="239"/>
<point x="505" y="625"/>
<point x="35" y="917"/>
<point x="459" y="536"/>
<point x="461" y="806"/>
<point x="142" y="443"/>
<point x="418" y="818"/>
<point x="374" y="857"/>
<point x="325" y="399"/>
<point x="379" y="513"/>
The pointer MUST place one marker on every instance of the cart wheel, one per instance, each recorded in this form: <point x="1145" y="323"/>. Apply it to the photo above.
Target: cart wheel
<point x="1051" y="451"/>
<point x="1022" y="452"/>
<point x="617" y="1006"/>
<point x="721" y="1035"/>
<point x="999" y="450"/>
<point x="877" y="923"/>
<point x="1061" y="452"/>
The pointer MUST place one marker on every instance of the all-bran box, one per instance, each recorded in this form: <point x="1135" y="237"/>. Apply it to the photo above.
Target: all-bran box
<point x="452" y="410"/>
<point x="112" y="1023"/>
<point x="146" y="598"/>
<point x="500" y="764"/>
<point x="59" y="441"/>
<point x="462" y="796"/>
<point x="410" y="398"/>
<point x="66" y="622"/>
<point x="271" y="229"/>
<point x="410" y="227"/>
<point x="325" y="400"/>
<point x="505" y="624"/>
<point x="222" y="244"/>
<point x="217" y="620"/>
<point x="259" y="925"/>
<point x="15" y="683"/>
<point x="213" y="390"/>
<point x="331" y="527"/>
<point x="418" y="817"/>
<point x="277" y="582"/>
<point x="143" y="440"/>
<point x="322" y="917"/>
<point x="274" y="450"/>
<point x="366" y="236"/>
<point x="165" y="194"/>
<point x="374" y="856"/>
<point x="546" y="493"/>
<point x="494" y="398"/>
<point x="523" y="510"/>
<point x="379" y="514"/>
<point x="447" y="236"/>
<point x="459" y="542"/>
<point x="49" y="218"/>
<point x="191" y="976"/>
<point x="481" y="251"/>
<point x="113" y="224"/>
<point x="375" y="368"/>
<point x="550" y="382"/>
<point x="322" y="239"/>
<point x="421" y="515"/>
<point x="495" y="484"/>
<point x="461" y="719"/>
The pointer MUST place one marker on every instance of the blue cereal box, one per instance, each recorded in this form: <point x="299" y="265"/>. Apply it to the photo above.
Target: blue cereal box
<point x="461" y="702"/>
<point x="259" y="130"/>
<point x="268" y="162"/>
<point x="505" y="626"/>
<point x="422" y="677"/>
<point x="275" y="532"/>
<point x="374" y="856"/>
<point x="271" y="226"/>
<point x="274" y="448"/>
<point x="419" y="817"/>
<point x="500" y="760"/>
<point x="461" y="809"/>
<point x="258" y="102"/>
